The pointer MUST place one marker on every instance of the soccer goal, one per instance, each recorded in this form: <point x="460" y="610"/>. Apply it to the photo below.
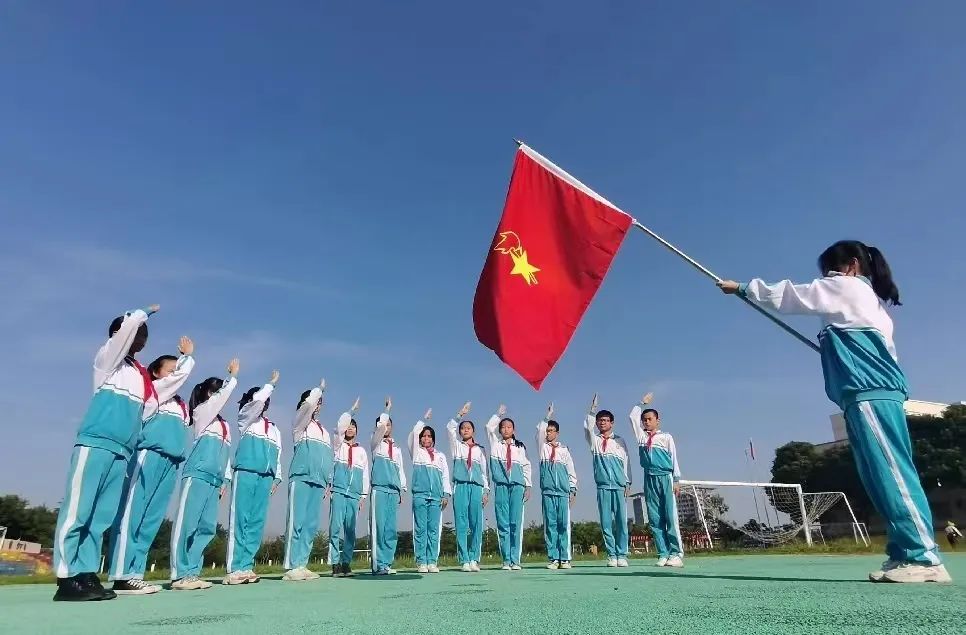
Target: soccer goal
<point x="759" y="514"/>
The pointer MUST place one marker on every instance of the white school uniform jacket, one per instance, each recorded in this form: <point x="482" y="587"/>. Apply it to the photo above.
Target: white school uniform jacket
<point x="387" y="461"/>
<point x="558" y="476"/>
<point x="260" y="446"/>
<point x="350" y="472"/>
<point x="509" y="464"/>
<point x="166" y="432"/>
<point x="124" y="394"/>
<point x="611" y="467"/>
<point x="656" y="451"/>
<point x="312" y="454"/>
<point x="210" y="453"/>
<point x="469" y="461"/>
<point x="430" y="470"/>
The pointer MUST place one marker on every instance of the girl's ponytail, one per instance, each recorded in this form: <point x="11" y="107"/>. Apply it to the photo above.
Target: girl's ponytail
<point x="881" y="277"/>
<point x="201" y="393"/>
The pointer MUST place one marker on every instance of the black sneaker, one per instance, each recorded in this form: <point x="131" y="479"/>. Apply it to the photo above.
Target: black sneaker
<point x="337" y="570"/>
<point x="94" y="583"/>
<point x="347" y="571"/>
<point x="75" y="589"/>
<point x="134" y="586"/>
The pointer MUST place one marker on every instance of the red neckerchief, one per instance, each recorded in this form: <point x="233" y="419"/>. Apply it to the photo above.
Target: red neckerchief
<point x="149" y="390"/>
<point x="224" y="429"/>
<point x="184" y="407"/>
<point x="650" y="439"/>
<point x="389" y="441"/>
<point x="553" y="452"/>
<point x="469" y="454"/>
<point x="509" y="455"/>
<point x="432" y="454"/>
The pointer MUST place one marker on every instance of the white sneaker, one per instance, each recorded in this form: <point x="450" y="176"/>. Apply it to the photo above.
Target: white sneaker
<point x="134" y="586"/>
<point x="251" y="576"/>
<point x="516" y="567"/>
<point x="236" y="577"/>
<point x="506" y="566"/>
<point x="468" y="567"/>
<point x="662" y="561"/>
<point x="190" y="583"/>
<point x="622" y="562"/>
<point x="422" y="569"/>
<point x="911" y="573"/>
<point x="391" y="571"/>
<point x="293" y="575"/>
<point x="888" y="565"/>
<point x="307" y="574"/>
<point x="612" y="562"/>
<point x="553" y="565"/>
<point x="675" y="561"/>
<point x="433" y="568"/>
<point x="475" y="566"/>
<point x="566" y="565"/>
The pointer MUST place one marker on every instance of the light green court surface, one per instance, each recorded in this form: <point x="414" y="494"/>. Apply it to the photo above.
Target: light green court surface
<point x="713" y="595"/>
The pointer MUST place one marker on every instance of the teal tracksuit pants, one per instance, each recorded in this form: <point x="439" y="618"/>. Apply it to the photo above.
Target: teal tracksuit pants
<point x="879" y="437"/>
<point x="556" y="527"/>
<point x="613" y="521"/>
<point x="95" y="482"/>
<point x="304" y="514"/>
<point x="662" y="514"/>
<point x="468" y="517"/>
<point x="508" y="505"/>
<point x="342" y="528"/>
<point x="194" y="526"/>
<point x="151" y="478"/>
<point x="250" y="493"/>
<point x="383" y="506"/>
<point x="427" y="529"/>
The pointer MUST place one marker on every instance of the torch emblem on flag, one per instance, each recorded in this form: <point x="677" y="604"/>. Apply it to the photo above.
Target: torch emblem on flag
<point x="510" y="245"/>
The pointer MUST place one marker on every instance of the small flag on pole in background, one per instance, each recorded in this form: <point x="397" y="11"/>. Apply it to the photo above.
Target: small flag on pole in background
<point x="751" y="447"/>
<point x="551" y="251"/>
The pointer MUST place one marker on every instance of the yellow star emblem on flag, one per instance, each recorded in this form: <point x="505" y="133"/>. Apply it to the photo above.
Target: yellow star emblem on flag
<point x="511" y="245"/>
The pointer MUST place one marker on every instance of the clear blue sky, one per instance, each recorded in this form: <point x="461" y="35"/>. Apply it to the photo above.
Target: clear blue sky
<point x="314" y="188"/>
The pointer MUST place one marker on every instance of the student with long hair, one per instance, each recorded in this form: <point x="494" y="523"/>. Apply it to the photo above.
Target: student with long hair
<point x="309" y="480"/>
<point x="470" y="489"/>
<point x="431" y="492"/>
<point x="510" y="472"/>
<point x="863" y="377"/>
<point x="152" y="473"/>
<point x="204" y="479"/>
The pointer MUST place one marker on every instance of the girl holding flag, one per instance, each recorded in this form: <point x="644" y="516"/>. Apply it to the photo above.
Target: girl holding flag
<point x="511" y="473"/>
<point x="558" y="487"/>
<point x="471" y="489"/>
<point x="309" y="476"/>
<point x="388" y="484"/>
<point x="863" y="377"/>
<point x="431" y="492"/>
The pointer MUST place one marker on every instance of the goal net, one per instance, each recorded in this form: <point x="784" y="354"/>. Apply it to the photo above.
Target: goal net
<point x="736" y="514"/>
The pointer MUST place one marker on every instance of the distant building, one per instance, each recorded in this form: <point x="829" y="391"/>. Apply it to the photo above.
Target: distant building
<point x="840" y="438"/>
<point x="640" y="511"/>
<point x="688" y="505"/>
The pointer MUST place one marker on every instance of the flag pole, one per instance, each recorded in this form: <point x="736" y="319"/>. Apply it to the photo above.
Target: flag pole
<point x="697" y="265"/>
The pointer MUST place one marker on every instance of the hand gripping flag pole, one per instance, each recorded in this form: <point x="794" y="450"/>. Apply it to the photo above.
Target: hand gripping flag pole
<point x="697" y="265"/>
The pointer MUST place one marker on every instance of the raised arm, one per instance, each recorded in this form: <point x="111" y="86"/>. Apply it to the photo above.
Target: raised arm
<point x="454" y="439"/>
<point x="345" y="420"/>
<point x="168" y="387"/>
<point x="380" y="432"/>
<point x="112" y="354"/>
<point x="205" y="413"/>
<point x="590" y="422"/>
<point x="493" y="427"/>
<point x="412" y="441"/>
<point x="303" y="416"/>
<point x="250" y="412"/>
<point x="637" y="426"/>
<point x="542" y="429"/>
<point x="819" y="297"/>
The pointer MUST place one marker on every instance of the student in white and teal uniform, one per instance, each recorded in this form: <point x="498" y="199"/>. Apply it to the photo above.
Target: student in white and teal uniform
<point x="659" y="460"/>
<point x="863" y="377"/>
<point x="510" y="473"/>
<point x="612" y="474"/>
<point x="471" y="489"/>
<point x="350" y="487"/>
<point x="257" y="473"/>
<point x="558" y="488"/>
<point x="124" y="396"/>
<point x="431" y="493"/>
<point x="152" y="474"/>
<point x="388" y="482"/>
<point x="309" y="480"/>
<point x="204" y="478"/>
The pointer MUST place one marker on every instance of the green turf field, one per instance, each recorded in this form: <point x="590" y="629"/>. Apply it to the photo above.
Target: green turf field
<point x="713" y="595"/>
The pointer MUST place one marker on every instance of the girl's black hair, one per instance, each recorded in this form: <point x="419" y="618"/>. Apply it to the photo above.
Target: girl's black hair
<point x="200" y="394"/>
<point x="472" y="426"/>
<point x="305" y="395"/>
<point x="516" y="442"/>
<point x="432" y="433"/>
<point x="553" y="424"/>
<point x="871" y="263"/>
<point x="249" y="395"/>
<point x="155" y="366"/>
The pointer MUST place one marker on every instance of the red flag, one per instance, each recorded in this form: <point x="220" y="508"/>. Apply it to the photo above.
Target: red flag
<point x="551" y="251"/>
